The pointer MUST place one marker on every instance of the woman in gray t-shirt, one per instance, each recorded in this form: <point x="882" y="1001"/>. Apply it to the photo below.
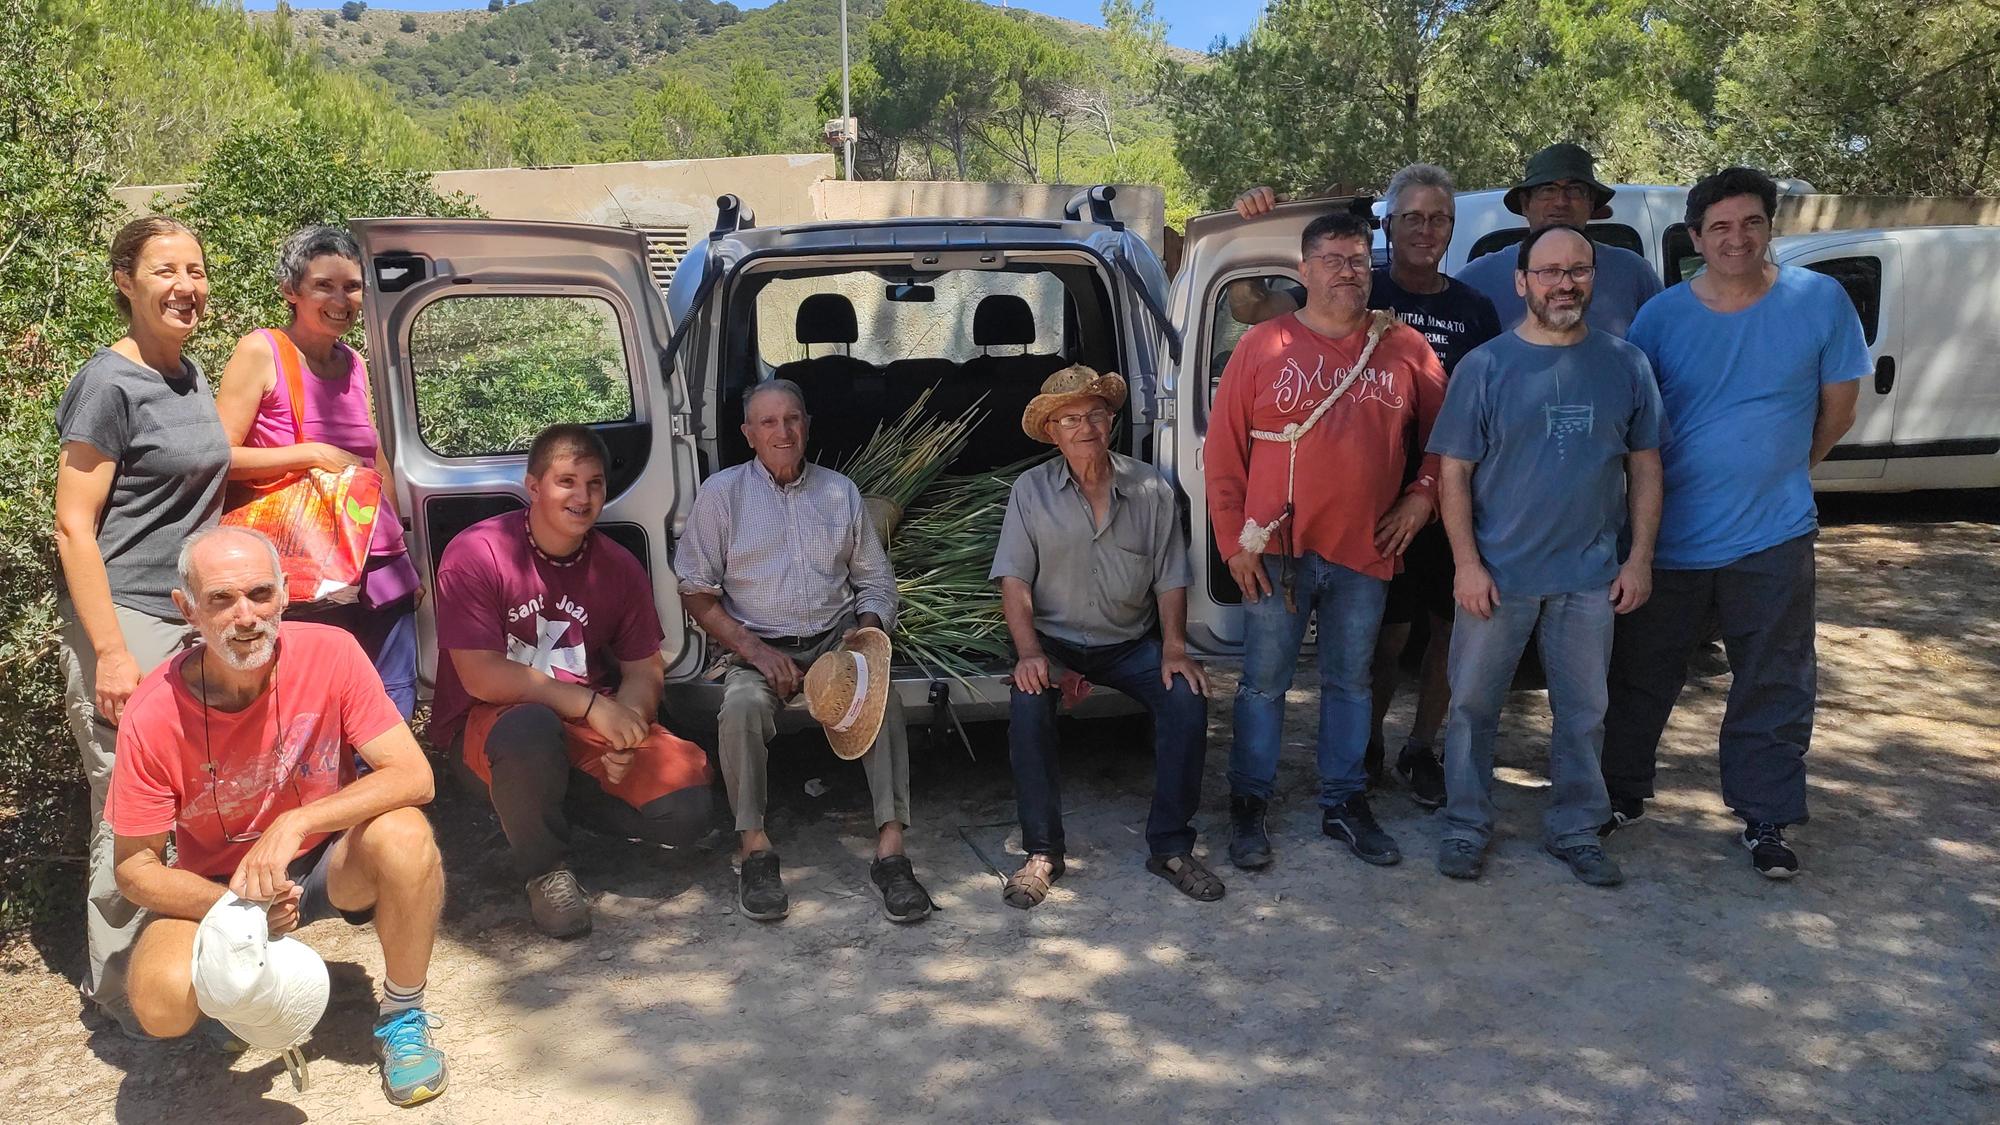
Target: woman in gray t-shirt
<point x="142" y="468"/>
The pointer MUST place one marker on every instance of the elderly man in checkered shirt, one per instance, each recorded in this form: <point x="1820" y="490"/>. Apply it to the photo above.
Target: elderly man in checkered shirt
<point x="779" y="563"/>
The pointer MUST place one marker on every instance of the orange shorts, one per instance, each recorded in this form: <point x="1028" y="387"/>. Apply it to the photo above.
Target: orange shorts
<point x="665" y="762"/>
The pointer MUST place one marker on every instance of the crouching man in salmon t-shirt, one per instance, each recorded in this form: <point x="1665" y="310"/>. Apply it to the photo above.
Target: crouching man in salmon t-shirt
<point x="243" y="748"/>
<point x="549" y="679"/>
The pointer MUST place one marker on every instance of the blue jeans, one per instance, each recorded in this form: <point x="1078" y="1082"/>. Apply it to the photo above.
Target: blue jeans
<point x="1349" y="607"/>
<point x="1573" y="632"/>
<point x="1180" y="744"/>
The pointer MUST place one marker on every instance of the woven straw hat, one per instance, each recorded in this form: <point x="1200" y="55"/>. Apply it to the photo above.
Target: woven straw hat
<point x="847" y="689"/>
<point x="1066" y="388"/>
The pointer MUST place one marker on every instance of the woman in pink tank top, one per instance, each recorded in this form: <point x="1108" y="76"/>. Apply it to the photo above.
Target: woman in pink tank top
<point x="319" y="275"/>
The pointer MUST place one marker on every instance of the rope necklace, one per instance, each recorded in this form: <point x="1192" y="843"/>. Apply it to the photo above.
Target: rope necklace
<point x="1255" y="536"/>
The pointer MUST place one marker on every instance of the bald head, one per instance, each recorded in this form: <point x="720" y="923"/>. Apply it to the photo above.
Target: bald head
<point x="234" y="545"/>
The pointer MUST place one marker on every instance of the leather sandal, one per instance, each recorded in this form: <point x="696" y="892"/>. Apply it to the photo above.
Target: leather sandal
<point x="1188" y="875"/>
<point x="1027" y="887"/>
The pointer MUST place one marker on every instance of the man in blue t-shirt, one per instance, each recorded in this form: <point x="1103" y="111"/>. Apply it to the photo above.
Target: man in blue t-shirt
<point x="1561" y="187"/>
<point x="1757" y="367"/>
<point x="1542" y="429"/>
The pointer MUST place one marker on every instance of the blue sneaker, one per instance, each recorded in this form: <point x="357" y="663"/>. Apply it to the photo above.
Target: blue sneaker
<point x="413" y="1070"/>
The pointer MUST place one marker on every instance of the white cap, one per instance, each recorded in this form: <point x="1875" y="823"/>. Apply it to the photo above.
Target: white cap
<point x="270" y="993"/>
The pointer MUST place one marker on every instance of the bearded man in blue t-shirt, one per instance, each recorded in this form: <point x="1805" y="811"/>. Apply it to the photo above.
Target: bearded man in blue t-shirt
<point x="1758" y="368"/>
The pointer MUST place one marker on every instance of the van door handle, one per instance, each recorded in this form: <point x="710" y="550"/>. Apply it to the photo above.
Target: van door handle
<point x="1885" y="375"/>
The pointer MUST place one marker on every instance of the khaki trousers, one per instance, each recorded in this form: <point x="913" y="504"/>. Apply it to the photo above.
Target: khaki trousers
<point x="111" y="923"/>
<point x="750" y="717"/>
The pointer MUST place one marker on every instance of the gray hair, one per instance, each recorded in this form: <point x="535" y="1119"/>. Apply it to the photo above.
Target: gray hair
<point x="185" y="564"/>
<point x="297" y="251"/>
<point x="785" y="386"/>
<point x="1416" y="176"/>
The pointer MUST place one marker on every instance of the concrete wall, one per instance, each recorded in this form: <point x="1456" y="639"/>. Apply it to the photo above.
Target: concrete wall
<point x="1143" y="207"/>
<point x="1800" y="214"/>
<point x="799" y="188"/>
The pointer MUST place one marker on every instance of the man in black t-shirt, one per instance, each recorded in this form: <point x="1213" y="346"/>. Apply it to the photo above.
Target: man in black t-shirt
<point x="1455" y="318"/>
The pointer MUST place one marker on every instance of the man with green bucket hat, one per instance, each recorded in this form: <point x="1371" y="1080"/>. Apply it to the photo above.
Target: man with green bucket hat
<point x="1561" y="186"/>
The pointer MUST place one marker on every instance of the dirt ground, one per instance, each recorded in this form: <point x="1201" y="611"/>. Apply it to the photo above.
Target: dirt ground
<point x="1321" y="990"/>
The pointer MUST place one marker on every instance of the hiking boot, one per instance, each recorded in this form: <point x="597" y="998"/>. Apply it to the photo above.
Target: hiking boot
<point x="558" y="905"/>
<point x="1769" y="854"/>
<point x="1354" y="822"/>
<point x="1624" y="811"/>
<point x="1371" y="764"/>
<point x="1460" y="859"/>
<point x="1249" y="843"/>
<point x="895" y="882"/>
<point x="413" y="1069"/>
<point x="1423" y="773"/>
<point x="1588" y="863"/>
<point x="760" y="890"/>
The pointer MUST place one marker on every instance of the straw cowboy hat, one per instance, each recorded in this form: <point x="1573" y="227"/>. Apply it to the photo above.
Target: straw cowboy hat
<point x="846" y="690"/>
<point x="270" y="992"/>
<point x="1066" y="388"/>
<point x="1558" y="162"/>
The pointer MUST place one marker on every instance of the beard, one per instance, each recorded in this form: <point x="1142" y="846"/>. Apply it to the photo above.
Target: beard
<point x="262" y="639"/>
<point x="1557" y="320"/>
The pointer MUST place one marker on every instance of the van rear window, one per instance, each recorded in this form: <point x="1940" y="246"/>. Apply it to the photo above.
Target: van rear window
<point x="913" y="324"/>
<point x="492" y="371"/>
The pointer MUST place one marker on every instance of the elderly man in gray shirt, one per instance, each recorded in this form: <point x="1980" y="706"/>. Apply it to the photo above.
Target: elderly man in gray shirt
<point x="1093" y="574"/>
<point x="780" y="563"/>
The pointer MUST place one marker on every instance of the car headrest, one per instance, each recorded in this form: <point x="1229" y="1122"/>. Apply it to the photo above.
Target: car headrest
<point x="1002" y="318"/>
<point x="826" y="318"/>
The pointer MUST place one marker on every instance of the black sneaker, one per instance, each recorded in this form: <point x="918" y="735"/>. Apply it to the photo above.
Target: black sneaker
<point x="760" y="890"/>
<point x="1423" y="773"/>
<point x="1354" y="822"/>
<point x="1249" y="843"/>
<point x="1588" y="863"/>
<point x="895" y="882"/>
<point x="1624" y="811"/>
<point x="1769" y="854"/>
<point x="1371" y="763"/>
<point x="1460" y="859"/>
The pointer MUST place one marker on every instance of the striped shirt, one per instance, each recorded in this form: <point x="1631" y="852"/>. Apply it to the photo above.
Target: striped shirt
<point x="787" y="560"/>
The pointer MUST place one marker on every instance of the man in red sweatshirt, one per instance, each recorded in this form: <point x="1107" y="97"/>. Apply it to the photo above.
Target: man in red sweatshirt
<point x="1305" y="454"/>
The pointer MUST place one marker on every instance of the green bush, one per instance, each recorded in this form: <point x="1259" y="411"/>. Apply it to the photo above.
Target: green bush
<point x="56" y="216"/>
<point x="55" y="307"/>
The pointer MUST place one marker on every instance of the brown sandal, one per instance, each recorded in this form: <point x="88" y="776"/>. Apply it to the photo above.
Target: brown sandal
<point x="1027" y="887"/>
<point x="1188" y="875"/>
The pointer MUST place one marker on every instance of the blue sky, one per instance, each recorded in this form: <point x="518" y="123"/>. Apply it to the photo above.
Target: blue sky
<point x="1190" y="23"/>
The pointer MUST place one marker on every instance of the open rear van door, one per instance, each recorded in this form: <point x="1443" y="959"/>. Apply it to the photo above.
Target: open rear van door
<point x="1221" y="251"/>
<point x="481" y="333"/>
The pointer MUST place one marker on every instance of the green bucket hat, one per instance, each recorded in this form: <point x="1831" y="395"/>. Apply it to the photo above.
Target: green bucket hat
<point x="1558" y="162"/>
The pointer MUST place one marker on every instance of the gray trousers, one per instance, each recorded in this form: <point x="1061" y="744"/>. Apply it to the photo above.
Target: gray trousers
<point x="750" y="717"/>
<point x="111" y="923"/>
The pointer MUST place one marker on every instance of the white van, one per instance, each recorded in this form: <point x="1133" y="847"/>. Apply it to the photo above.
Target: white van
<point x="1929" y="299"/>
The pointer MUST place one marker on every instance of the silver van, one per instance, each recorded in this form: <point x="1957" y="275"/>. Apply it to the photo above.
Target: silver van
<point x="483" y="331"/>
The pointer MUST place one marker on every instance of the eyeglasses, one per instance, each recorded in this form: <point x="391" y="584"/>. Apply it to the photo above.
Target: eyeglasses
<point x="1550" y="275"/>
<point x="1544" y="193"/>
<point x="1334" y="263"/>
<point x="1417" y="220"/>
<point x="248" y="835"/>
<point x="1070" y="422"/>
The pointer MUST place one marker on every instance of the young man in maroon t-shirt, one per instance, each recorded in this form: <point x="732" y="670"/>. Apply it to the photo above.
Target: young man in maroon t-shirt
<point x="549" y="681"/>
